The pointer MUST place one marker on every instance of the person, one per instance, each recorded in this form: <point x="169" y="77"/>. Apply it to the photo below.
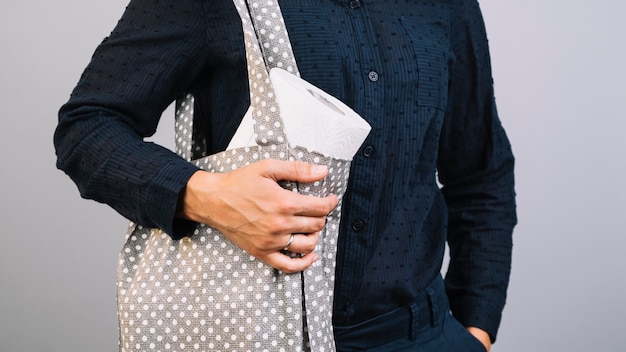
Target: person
<point x="418" y="71"/>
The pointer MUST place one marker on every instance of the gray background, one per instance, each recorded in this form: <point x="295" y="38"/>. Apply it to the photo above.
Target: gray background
<point x="560" y="83"/>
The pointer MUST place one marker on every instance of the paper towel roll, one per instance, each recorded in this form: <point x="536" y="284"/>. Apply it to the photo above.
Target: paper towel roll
<point x="312" y="118"/>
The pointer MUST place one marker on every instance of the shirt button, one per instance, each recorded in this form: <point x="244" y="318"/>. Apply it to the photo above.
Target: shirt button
<point x="358" y="225"/>
<point x="355" y="4"/>
<point x="373" y="76"/>
<point x="368" y="151"/>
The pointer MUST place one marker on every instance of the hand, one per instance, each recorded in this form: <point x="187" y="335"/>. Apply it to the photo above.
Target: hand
<point x="481" y="335"/>
<point x="254" y="212"/>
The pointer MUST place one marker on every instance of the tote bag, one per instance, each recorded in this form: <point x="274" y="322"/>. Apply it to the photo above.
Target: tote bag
<point x="202" y="292"/>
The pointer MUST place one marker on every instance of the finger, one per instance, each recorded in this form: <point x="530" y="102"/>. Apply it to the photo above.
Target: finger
<point x="297" y="171"/>
<point x="304" y="205"/>
<point x="315" y="206"/>
<point x="303" y="243"/>
<point x="288" y="264"/>
<point x="295" y="224"/>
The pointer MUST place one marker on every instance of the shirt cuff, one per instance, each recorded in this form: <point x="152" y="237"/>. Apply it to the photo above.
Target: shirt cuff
<point x="480" y="317"/>
<point x="164" y="194"/>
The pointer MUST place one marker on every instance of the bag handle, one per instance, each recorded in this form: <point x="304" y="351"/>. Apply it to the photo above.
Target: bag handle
<point x="267" y="46"/>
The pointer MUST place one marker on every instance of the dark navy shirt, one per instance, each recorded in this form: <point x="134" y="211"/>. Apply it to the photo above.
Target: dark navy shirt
<point x="417" y="71"/>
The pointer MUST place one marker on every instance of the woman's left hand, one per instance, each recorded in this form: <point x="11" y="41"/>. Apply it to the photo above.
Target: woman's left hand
<point x="482" y="336"/>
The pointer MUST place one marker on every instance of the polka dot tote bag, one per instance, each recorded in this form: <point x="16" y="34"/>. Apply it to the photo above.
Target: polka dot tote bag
<point x="203" y="293"/>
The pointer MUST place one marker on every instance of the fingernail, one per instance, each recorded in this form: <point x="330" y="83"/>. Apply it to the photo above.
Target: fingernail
<point x="319" y="169"/>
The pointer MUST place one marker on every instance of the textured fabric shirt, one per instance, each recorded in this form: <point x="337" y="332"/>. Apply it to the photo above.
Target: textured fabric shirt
<point x="417" y="71"/>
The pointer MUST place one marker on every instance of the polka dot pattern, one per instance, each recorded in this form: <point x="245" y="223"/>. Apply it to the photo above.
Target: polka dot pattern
<point x="203" y="293"/>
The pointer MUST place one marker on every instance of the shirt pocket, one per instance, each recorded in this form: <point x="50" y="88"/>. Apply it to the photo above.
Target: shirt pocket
<point x="315" y="47"/>
<point x="431" y="47"/>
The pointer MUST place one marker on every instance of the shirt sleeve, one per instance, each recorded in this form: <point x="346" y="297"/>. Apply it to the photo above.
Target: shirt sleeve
<point x="475" y="167"/>
<point x="151" y="58"/>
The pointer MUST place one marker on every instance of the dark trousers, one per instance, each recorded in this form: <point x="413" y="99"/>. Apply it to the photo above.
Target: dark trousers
<point x="425" y="326"/>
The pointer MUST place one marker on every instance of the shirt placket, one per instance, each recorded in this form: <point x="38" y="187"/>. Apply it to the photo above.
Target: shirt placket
<point x="358" y="228"/>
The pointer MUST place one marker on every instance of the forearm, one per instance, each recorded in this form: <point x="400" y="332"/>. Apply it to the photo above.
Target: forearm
<point x="133" y="76"/>
<point x="481" y="220"/>
<point x="477" y="284"/>
<point x="111" y="164"/>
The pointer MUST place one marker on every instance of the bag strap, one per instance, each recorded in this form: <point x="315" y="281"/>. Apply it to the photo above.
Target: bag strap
<point x="267" y="46"/>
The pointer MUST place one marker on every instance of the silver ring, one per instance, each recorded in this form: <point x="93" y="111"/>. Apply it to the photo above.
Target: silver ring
<point x="286" y="248"/>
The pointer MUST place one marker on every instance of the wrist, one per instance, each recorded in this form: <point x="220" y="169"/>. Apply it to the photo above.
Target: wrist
<point x="193" y="198"/>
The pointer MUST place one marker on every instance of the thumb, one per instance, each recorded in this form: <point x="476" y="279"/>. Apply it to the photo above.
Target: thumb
<point x="297" y="171"/>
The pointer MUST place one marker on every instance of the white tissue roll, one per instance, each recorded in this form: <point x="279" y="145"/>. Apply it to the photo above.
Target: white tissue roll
<point x="244" y="136"/>
<point x="312" y="119"/>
